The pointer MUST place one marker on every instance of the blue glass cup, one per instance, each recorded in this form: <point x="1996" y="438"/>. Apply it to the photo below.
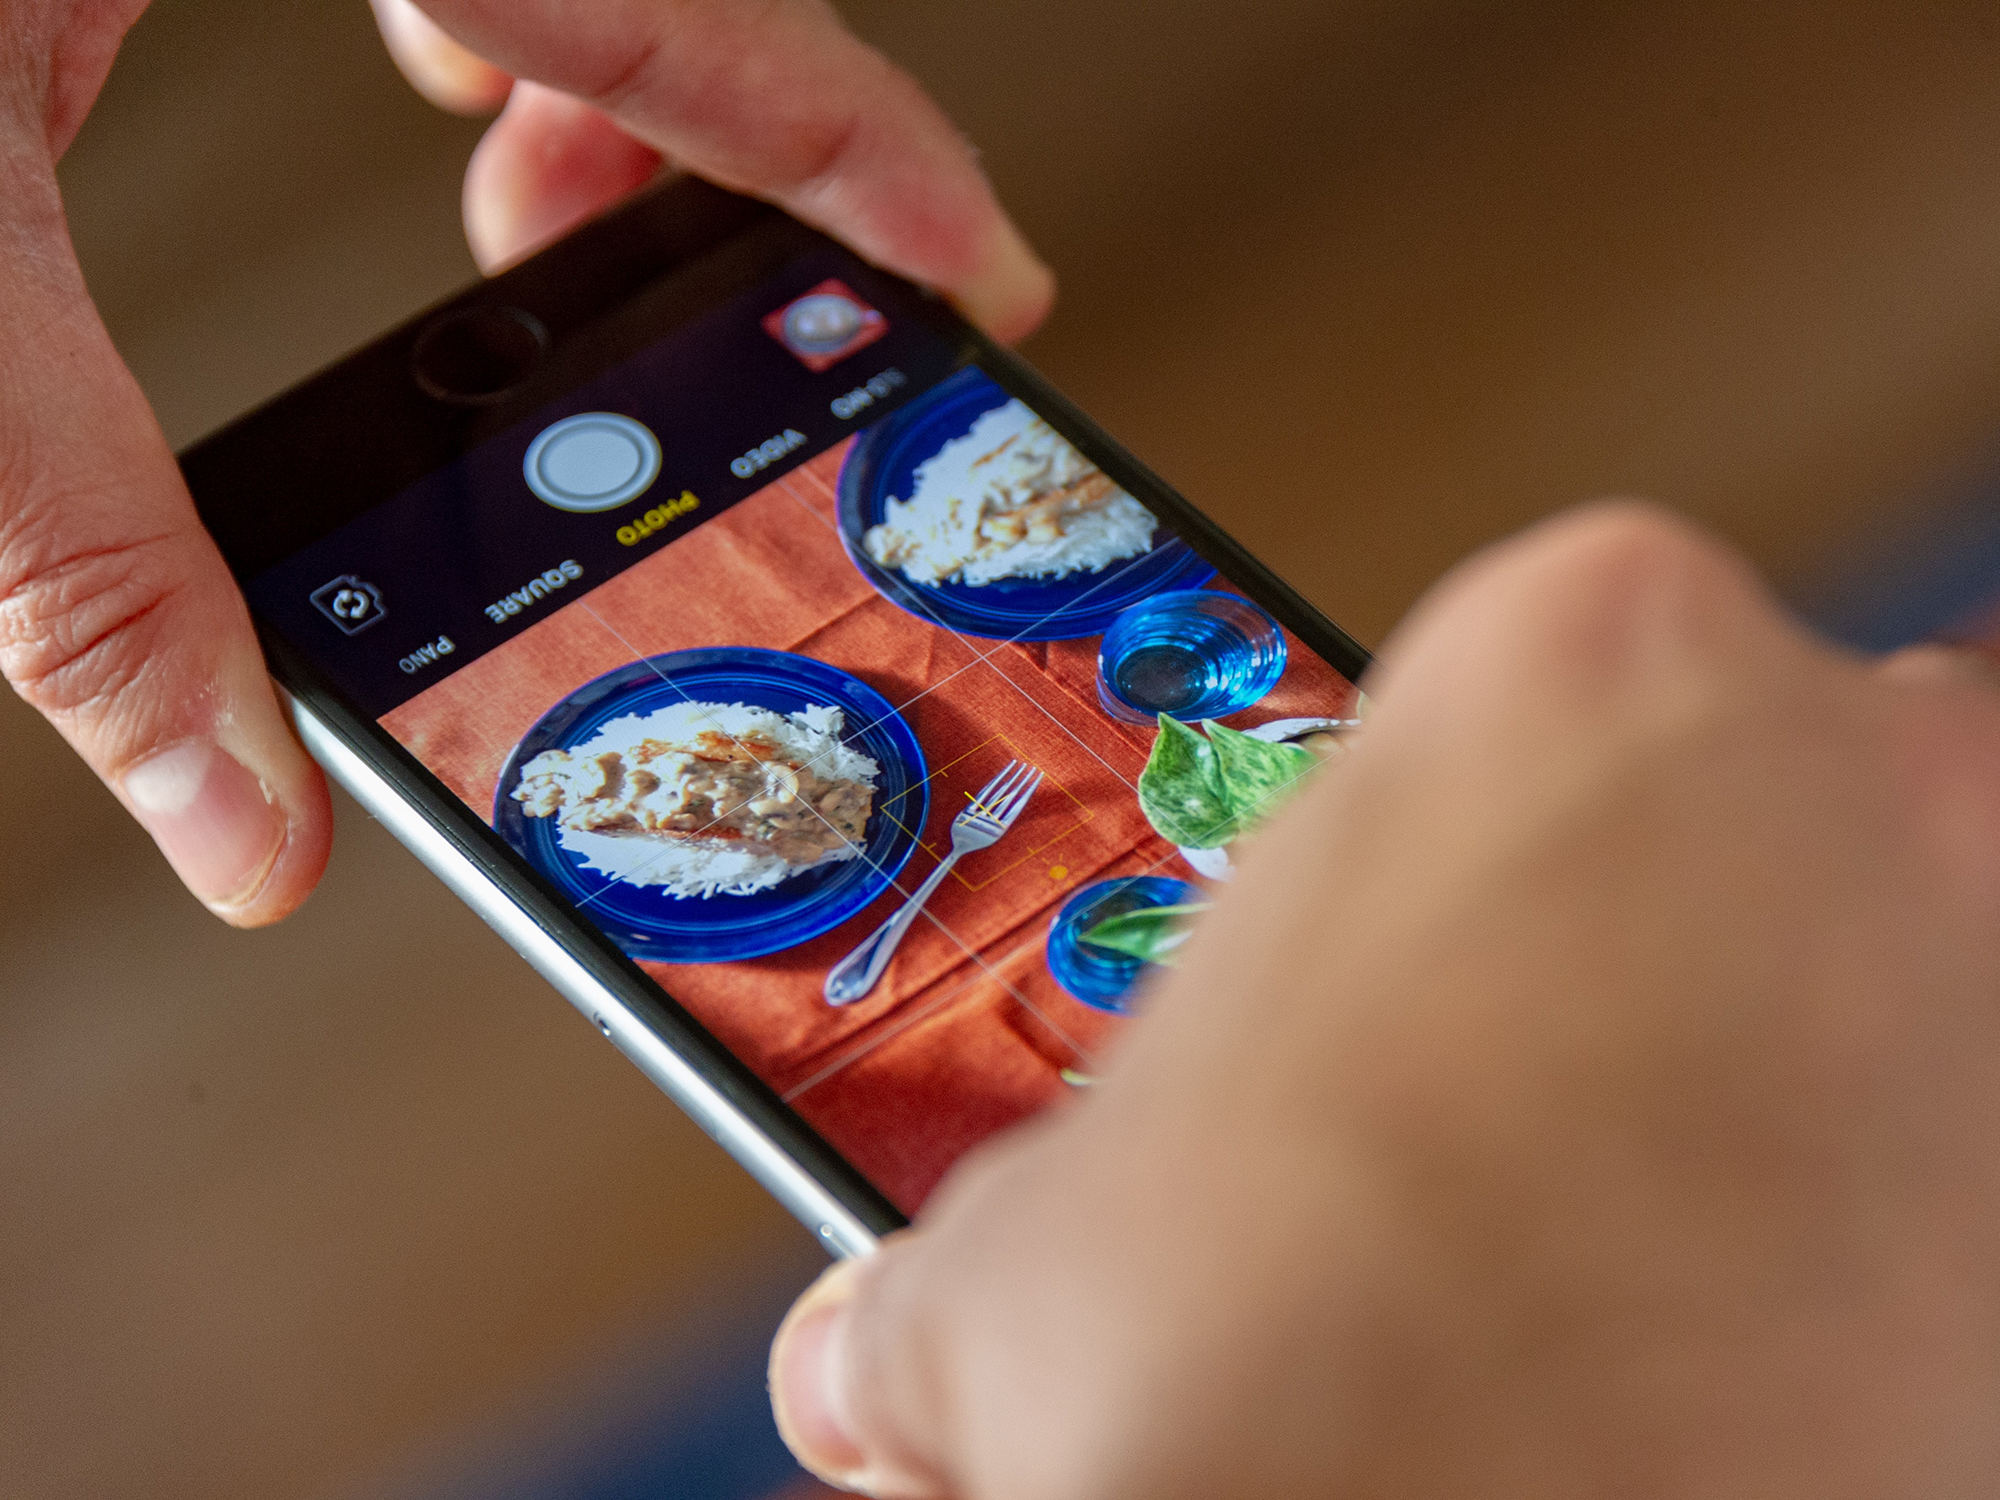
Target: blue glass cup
<point x="1100" y="976"/>
<point x="1191" y="654"/>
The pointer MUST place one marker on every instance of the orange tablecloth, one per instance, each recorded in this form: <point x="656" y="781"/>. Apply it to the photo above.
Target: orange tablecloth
<point x="967" y="1031"/>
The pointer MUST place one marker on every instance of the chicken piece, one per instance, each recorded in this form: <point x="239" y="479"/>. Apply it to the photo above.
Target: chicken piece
<point x="716" y="788"/>
<point x="1043" y="516"/>
<point x="711" y="745"/>
<point x="781" y="790"/>
<point x="555" y="779"/>
<point x="659" y="801"/>
<point x="1004" y="527"/>
<point x="845" y="806"/>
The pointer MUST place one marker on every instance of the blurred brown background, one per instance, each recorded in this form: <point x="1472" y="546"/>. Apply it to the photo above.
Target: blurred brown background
<point x="303" y="1212"/>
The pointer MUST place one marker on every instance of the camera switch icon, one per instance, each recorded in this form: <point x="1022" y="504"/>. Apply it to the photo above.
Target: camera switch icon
<point x="350" y="602"/>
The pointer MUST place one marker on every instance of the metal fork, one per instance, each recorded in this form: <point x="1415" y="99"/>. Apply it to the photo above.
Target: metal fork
<point x="992" y="813"/>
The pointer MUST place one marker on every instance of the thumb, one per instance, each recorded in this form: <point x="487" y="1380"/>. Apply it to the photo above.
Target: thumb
<point x="118" y="619"/>
<point x="828" y="1403"/>
<point x="994" y="1349"/>
<point x="808" y="1378"/>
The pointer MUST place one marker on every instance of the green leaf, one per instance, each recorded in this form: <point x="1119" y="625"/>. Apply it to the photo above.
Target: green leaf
<point x="1257" y="778"/>
<point x="1181" y="790"/>
<point x="1150" y="934"/>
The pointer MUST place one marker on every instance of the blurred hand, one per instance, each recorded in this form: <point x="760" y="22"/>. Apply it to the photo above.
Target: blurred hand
<point x="775" y="98"/>
<point x="119" y="621"/>
<point x="1588" y="1089"/>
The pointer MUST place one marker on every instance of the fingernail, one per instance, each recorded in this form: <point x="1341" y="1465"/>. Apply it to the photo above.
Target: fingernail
<point x="807" y="1368"/>
<point x="1970" y="662"/>
<point x="1013" y="291"/>
<point x="211" y="818"/>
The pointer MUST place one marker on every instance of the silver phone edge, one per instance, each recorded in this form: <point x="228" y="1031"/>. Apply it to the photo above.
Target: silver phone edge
<point x="836" y="1227"/>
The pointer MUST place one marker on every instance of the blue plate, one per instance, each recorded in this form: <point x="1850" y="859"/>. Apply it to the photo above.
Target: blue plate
<point x="648" y="923"/>
<point x="883" y="463"/>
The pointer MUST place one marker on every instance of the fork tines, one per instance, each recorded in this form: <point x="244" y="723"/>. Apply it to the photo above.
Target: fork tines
<point x="1001" y="799"/>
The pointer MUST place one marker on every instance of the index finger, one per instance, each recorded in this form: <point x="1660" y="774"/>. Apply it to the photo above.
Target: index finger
<point x="438" y="67"/>
<point x="776" y="98"/>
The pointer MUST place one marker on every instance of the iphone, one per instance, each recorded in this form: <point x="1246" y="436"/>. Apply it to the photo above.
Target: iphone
<point x="828" y="709"/>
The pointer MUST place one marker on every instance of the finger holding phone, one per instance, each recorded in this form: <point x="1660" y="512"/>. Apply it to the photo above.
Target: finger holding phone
<point x="119" y="622"/>
<point x="1585" y="1091"/>
<point x="1625" y="1126"/>
<point x="778" y="101"/>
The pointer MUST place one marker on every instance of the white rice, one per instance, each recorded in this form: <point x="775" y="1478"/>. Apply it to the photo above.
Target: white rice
<point x="934" y="535"/>
<point x="716" y="867"/>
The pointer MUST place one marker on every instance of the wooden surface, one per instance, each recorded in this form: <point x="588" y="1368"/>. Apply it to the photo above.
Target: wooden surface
<point x="1375" y="283"/>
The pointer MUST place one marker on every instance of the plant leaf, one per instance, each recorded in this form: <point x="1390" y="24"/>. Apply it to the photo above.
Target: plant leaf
<point x="1181" y="790"/>
<point x="1257" y="778"/>
<point x="1150" y="934"/>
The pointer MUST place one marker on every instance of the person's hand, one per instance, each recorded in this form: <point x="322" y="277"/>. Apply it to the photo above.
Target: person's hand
<point x="774" y="98"/>
<point x="1587" y="1089"/>
<point x="118" y="619"/>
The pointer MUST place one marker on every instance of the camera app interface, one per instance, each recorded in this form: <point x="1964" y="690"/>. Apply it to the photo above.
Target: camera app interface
<point x="841" y="691"/>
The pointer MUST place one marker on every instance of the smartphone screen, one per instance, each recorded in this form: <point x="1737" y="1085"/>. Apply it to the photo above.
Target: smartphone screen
<point x="737" y="641"/>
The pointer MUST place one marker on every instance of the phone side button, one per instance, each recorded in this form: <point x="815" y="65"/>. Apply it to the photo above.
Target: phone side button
<point x="838" y="1245"/>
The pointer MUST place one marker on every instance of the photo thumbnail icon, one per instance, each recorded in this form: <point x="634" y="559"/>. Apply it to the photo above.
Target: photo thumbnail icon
<point x="825" y="325"/>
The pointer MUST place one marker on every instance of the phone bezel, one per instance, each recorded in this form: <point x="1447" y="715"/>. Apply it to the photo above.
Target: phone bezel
<point x="602" y="294"/>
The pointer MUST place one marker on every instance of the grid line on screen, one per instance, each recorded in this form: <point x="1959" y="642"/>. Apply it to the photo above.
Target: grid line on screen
<point x="979" y="656"/>
<point x="943" y="927"/>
